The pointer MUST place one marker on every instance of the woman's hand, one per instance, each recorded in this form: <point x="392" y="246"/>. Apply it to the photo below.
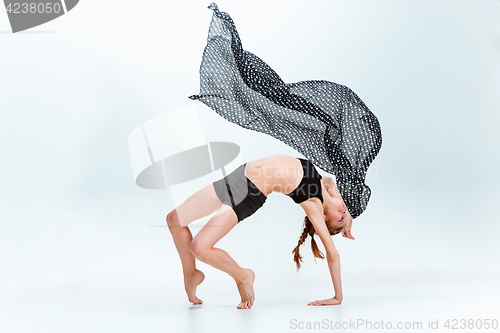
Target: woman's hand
<point x="347" y="229"/>
<point x="328" y="301"/>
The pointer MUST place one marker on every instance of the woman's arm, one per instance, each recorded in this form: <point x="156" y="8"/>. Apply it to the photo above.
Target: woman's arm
<point x="315" y="213"/>
<point x="334" y="266"/>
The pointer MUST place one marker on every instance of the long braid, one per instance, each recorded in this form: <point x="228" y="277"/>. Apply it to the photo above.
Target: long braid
<point x="296" y="254"/>
<point x="308" y="231"/>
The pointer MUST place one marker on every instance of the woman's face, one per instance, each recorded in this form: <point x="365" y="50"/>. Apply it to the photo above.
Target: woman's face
<point x="335" y="212"/>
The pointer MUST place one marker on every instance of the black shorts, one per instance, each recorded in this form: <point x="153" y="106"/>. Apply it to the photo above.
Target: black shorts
<point x="240" y="193"/>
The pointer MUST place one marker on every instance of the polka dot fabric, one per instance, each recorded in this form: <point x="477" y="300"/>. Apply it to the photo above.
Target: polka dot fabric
<point x="325" y="121"/>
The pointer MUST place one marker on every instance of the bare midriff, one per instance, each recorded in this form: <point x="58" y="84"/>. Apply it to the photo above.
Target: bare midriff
<point x="275" y="173"/>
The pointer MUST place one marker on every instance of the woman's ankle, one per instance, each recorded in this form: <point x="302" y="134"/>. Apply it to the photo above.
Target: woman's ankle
<point x="190" y="274"/>
<point x="242" y="276"/>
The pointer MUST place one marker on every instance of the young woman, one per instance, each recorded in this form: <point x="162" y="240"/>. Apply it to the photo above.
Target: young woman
<point x="239" y="195"/>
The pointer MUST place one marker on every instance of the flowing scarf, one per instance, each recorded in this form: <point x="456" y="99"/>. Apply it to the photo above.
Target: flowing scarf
<point x="325" y="121"/>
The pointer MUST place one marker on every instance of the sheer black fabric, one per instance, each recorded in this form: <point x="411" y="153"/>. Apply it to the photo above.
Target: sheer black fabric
<point x="325" y="121"/>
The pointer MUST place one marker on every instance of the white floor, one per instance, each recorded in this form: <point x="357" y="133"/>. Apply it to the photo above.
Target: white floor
<point x="114" y="269"/>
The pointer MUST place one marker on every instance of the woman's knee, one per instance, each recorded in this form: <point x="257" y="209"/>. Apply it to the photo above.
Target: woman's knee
<point x="199" y="249"/>
<point x="173" y="219"/>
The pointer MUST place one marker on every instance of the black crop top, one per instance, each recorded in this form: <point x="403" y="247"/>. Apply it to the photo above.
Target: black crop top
<point x="310" y="185"/>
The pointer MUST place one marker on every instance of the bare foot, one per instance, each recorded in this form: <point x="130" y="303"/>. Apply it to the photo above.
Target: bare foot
<point x="190" y="283"/>
<point x="245" y="287"/>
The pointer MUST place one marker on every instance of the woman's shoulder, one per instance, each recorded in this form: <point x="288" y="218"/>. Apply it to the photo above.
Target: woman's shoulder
<point x="328" y="181"/>
<point x="331" y="187"/>
<point x="312" y="207"/>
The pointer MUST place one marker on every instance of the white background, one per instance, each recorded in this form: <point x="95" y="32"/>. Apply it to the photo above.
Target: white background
<point x="83" y="249"/>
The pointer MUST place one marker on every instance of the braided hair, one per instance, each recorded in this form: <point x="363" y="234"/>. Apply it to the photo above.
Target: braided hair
<point x="309" y="231"/>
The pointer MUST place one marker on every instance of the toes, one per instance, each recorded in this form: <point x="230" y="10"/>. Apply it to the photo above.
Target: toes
<point x="196" y="300"/>
<point x="244" y="305"/>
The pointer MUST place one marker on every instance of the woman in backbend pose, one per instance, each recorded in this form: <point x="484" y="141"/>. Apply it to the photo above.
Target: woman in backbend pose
<point x="239" y="195"/>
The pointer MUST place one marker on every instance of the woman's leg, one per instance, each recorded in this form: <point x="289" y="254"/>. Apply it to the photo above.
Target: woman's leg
<point x="202" y="203"/>
<point x="202" y="248"/>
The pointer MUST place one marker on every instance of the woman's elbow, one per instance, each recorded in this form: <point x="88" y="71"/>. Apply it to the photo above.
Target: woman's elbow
<point x="333" y="256"/>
